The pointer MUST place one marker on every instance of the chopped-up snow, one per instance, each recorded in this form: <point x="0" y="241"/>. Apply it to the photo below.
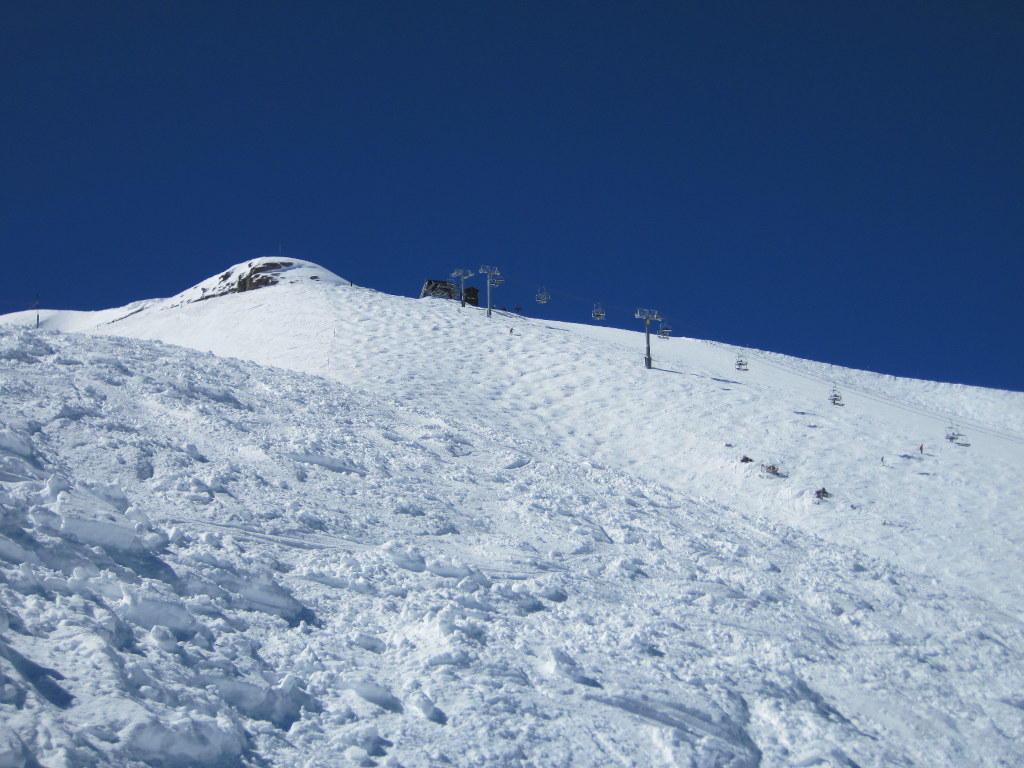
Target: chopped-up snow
<point x="370" y="530"/>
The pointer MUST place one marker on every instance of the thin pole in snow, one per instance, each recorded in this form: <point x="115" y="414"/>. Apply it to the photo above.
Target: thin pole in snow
<point x="647" y="315"/>
<point x="494" y="279"/>
<point x="462" y="274"/>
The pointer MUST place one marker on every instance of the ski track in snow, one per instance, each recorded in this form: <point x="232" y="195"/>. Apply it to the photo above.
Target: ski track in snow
<point x="420" y="540"/>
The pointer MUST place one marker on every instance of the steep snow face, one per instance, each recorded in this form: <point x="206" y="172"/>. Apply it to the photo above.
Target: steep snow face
<point x="949" y="511"/>
<point x="208" y="562"/>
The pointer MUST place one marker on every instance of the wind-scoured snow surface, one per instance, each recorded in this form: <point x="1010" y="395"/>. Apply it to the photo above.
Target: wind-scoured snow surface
<point x="369" y="530"/>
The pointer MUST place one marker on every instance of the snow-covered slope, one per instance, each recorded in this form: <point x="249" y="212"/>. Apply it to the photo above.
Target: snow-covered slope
<point x="948" y="510"/>
<point x="424" y="539"/>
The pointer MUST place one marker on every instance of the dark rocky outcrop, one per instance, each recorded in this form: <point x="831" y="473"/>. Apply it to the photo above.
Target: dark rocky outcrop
<point x="256" y="275"/>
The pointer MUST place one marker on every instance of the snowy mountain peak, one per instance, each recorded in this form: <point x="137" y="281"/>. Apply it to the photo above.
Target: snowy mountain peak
<point x="257" y="273"/>
<point x="399" y="532"/>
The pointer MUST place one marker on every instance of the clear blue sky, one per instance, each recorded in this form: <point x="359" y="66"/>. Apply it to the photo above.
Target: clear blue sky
<point x="836" y="180"/>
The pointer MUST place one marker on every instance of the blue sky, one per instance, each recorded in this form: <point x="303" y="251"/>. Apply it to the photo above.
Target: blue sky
<point x="840" y="181"/>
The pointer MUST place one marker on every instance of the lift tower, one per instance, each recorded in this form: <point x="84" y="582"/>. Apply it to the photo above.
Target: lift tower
<point x="495" y="279"/>
<point x="647" y="315"/>
<point x="461" y="275"/>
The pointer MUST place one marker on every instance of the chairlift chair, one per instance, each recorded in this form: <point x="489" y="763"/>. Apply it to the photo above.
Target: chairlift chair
<point x="741" y="363"/>
<point x="543" y="297"/>
<point x="956" y="437"/>
<point x="664" y="330"/>
<point x="598" y="313"/>
<point x="835" y="398"/>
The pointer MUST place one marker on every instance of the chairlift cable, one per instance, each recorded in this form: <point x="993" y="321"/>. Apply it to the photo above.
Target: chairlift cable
<point x="700" y="334"/>
<point x="930" y="413"/>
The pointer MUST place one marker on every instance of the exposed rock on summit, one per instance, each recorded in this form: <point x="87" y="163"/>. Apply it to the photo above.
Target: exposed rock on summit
<point x="246" y="277"/>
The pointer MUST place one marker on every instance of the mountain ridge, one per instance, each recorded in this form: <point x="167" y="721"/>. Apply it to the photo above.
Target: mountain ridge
<point x="777" y="413"/>
<point x="403" y="534"/>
